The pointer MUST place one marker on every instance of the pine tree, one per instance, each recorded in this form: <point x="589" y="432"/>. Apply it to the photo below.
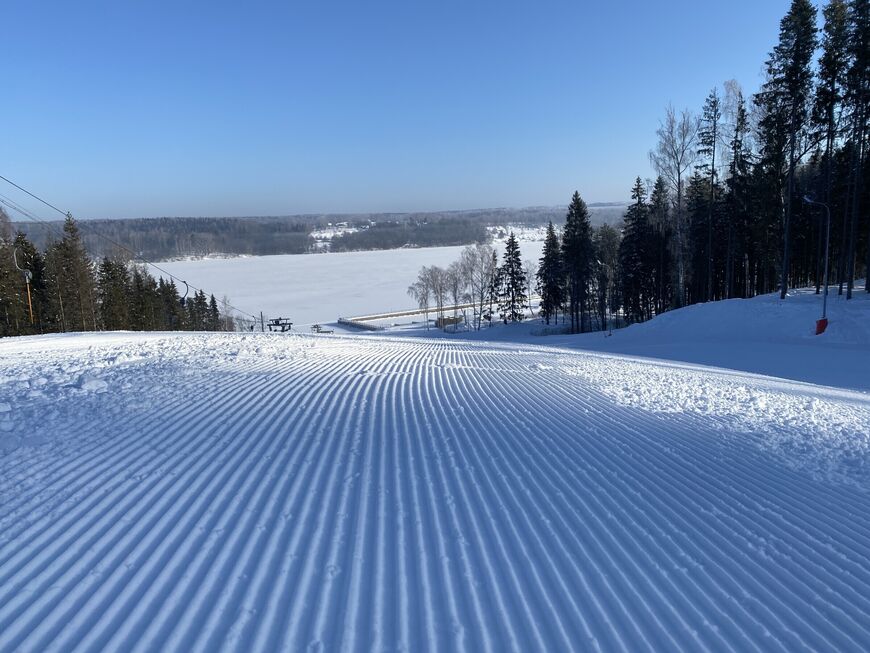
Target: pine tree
<point x="551" y="277"/>
<point x="513" y="283"/>
<point x="738" y="202"/>
<point x="857" y="100"/>
<point x="828" y="101"/>
<point x="577" y="257"/>
<point x="708" y="140"/>
<point x="785" y="101"/>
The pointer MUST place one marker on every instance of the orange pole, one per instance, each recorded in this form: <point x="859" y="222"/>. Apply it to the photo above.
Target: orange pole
<point x="29" y="303"/>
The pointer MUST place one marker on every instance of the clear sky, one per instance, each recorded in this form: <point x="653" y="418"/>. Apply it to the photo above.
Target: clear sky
<point x="134" y="108"/>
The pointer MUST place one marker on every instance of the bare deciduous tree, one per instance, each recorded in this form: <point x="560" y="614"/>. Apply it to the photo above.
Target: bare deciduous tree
<point x="530" y="269"/>
<point x="673" y="156"/>
<point x="422" y="293"/>
<point x="479" y="266"/>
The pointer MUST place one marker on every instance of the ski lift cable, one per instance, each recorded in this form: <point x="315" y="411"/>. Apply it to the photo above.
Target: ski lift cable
<point x="7" y="201"/>
<point x="89" y="228"/>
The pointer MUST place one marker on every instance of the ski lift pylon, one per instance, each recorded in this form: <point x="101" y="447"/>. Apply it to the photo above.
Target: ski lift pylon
<point x="28" y="276"/>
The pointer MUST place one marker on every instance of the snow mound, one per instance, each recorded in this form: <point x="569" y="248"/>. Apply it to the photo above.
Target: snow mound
<point x="278" y="492"/>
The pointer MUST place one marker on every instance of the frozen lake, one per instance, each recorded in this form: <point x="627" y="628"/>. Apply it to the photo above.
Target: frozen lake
<point x="310" y="288"/>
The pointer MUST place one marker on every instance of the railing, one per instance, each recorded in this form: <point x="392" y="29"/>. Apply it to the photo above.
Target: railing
<point x="356" y="324"/>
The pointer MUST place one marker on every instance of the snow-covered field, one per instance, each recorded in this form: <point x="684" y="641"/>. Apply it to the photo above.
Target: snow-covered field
<point x="282" y="492"/>
<point x="321" y="288"/>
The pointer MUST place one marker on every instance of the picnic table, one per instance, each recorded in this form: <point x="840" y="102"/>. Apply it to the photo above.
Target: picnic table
<point x="281" y="324"/>
<point x="317" y="328"/>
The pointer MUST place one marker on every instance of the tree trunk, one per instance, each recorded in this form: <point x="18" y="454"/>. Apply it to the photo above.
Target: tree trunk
<point x="679" y="231"/>
<point x="786" y="236"/>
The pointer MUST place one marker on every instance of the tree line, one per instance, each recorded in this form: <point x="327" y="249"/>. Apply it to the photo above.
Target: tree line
<point x="166" y="238"/>
<point x="571" y="279"/>
<point x="60" y="289"/>
<point x="410" y="233"/>
<point x="741" y="202"/>
<point x="169" y="238"/>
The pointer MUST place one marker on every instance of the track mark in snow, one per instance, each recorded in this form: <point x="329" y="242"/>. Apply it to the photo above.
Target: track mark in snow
<point x="260" y="493"/>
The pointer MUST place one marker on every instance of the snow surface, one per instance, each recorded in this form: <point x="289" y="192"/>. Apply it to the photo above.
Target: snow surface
<point x="318" y="288"/>
<point x="265" y="492"/>
<point x="764" y="335"/>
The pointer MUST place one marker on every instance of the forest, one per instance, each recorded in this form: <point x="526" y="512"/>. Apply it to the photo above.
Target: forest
<point x="61" y="289"/>
<point x="416" y="233"/>
<point x="159" y="239"/>
<point x="752" y="195"/>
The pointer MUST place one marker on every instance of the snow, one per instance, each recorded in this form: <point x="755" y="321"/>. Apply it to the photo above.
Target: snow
<point x="318" y="288"/>
<point x="268" y="492"/>
<point x="764" y="335"/>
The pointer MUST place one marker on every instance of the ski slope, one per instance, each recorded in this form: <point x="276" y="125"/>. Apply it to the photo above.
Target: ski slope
<point x="192" y="492"/>
<point x="764" y="335"/>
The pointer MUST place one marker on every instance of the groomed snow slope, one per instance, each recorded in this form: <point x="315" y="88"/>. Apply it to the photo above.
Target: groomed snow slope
<point x="205" y="492"/>
<point x="764" y="335"/>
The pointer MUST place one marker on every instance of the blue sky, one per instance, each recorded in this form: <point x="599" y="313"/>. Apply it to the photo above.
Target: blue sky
<point x="121" y="109"/>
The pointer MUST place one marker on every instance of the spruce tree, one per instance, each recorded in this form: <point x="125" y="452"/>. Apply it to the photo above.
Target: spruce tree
<point x="634" y="256"/>
<point x="171" y="309"/>
<point x="577" y="257"/>
<point x="661" y="258"/>
<point x="113" y="284"/>
<point x="699" y="209"/>
<point x="551" y="276"/>
<point x="513" y="283"/>
<point x="70" y="282"/>
<point x="606" y="241"/>
<point x="214" y="315"/>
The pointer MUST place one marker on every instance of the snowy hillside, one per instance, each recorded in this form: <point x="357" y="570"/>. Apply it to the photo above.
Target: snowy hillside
<point x="764" y="335"/>
<point x="263" y="492"/>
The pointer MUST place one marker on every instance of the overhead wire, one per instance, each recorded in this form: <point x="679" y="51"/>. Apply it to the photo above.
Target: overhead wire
<point x="89" y="228"/>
